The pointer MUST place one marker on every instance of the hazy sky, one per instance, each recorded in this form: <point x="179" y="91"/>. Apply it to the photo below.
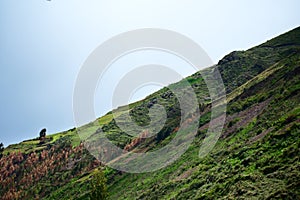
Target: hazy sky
<point x="44" y="43"/>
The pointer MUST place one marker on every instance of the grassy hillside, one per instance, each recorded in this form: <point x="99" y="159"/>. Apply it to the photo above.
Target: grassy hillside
<point x="257" y="156"/>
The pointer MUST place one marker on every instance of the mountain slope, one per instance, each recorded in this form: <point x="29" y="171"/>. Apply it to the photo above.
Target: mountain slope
<point x="257" y="155"/>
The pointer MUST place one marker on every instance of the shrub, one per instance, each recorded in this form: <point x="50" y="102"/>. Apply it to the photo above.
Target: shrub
<point x="98" y="186"/>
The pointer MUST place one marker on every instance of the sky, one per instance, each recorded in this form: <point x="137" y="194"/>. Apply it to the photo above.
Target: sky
<point x="43" y="45"/>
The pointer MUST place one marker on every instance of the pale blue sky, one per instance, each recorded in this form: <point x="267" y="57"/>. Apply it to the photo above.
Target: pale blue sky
<point x="44" y="43"/>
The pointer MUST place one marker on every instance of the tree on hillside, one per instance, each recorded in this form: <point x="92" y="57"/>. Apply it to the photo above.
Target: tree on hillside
<point x="1" y="149"/>
<point x="98" y="186"/>
<point x="42" y="135"/>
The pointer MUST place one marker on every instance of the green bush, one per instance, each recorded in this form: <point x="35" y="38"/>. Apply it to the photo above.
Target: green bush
<point x="98" y="186"/>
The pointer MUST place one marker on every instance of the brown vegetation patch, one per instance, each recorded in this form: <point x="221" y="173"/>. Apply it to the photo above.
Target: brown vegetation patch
<point x="259" y="136"/>
<point x="185" y="174"/>
<point x="244" y="117"/>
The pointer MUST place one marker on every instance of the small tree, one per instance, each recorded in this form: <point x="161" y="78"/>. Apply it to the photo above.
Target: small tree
<point x="1" y="149"/>
<point x="98" y="186"/>
<point x="43" y="133"/>
<point x="42" y="136"/>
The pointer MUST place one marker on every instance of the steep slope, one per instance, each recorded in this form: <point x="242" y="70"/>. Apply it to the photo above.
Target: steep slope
<point x="257" y="155"/>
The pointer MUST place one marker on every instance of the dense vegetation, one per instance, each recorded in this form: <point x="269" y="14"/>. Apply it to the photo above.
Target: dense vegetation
<point x="256" y="157"/>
